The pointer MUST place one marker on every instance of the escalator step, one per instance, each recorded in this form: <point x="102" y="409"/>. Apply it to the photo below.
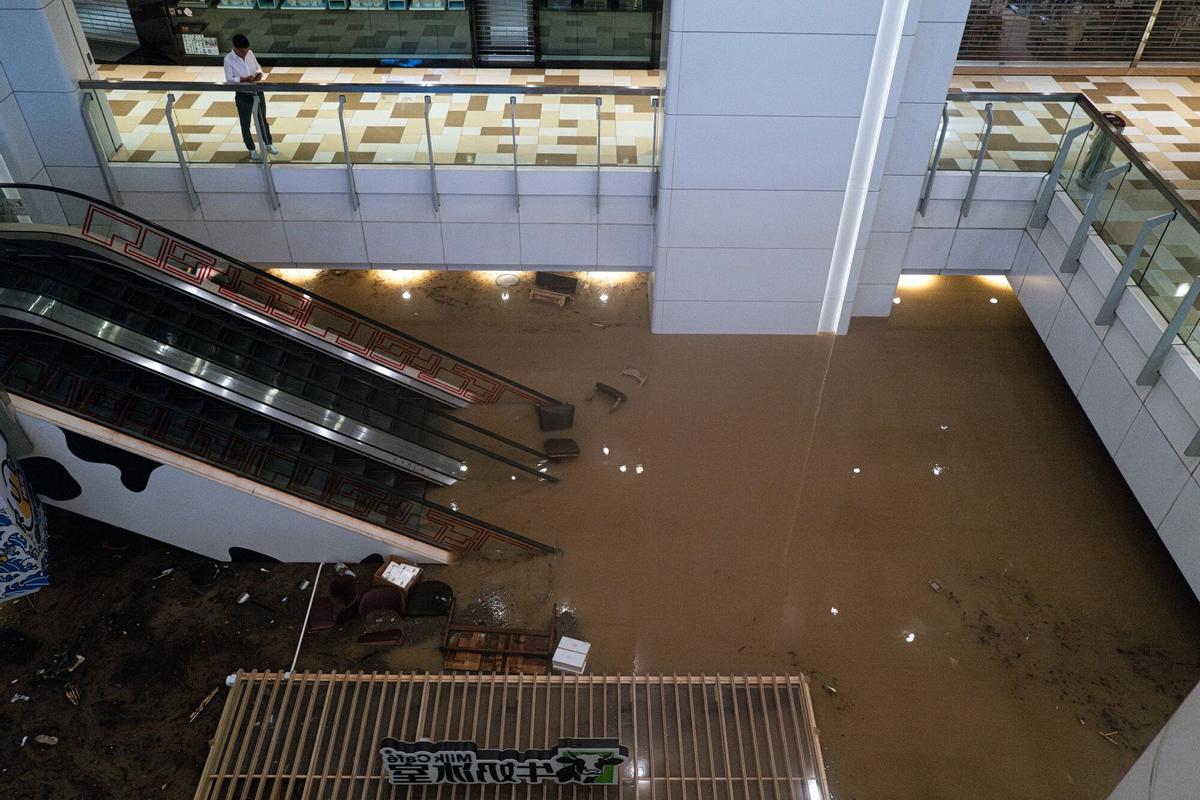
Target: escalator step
<point x="292" y="442"/>
<point x="384" y="477"/>
<point x="350" y="465"/>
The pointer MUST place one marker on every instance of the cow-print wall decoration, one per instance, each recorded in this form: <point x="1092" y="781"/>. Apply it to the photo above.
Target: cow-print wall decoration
<point x="51" y="479"/>
<point x="135" y="469"/>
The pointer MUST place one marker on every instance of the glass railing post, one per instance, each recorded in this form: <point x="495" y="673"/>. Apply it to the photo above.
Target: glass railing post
<point x="1042" y="208"/>
<point x="433" y="190"/>
<point x="512" y="110"/>
<point x="256" y="113"/>
<point x="654" y="155"/>
<point x="351" y="187"/>
<point x="1070" y="261"/>
<point x="937" y="157"/>
<point x="114" y="194"/>
<point x="599" y="101"/>
<point x="1108" y="311"/>
<point x="193" y="196"/>
<point x="1149" y="374"/>
<point x="983" y="145"/>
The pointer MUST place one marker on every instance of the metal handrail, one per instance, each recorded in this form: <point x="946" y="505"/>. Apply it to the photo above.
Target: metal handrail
<point x="269" y="277"/>
<point x="1124" y="145"/>
<point x="416" y="87"/>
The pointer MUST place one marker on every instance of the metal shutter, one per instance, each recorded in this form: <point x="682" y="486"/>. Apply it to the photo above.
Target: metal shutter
<point x="1061" y="30"/>
<point x="106" y="20"/>
<point x="1176" y="33"/>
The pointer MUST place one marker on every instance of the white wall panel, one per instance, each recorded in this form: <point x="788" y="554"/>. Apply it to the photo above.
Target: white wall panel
<point x="326" y="242"/>
<point x="1108" y="400"/>
<point x="1151" y="467"/>
<point x="1072" y="344"/>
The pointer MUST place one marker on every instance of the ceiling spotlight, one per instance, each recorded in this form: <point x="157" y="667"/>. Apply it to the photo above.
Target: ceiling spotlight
<point x="604" y="297"/>
<point x="910" y="638"/>
<point x="639" y="469"/>
<point x="623" y="468"/>
<point x="895" y="301"/>
<point x="504" y="297"/>
<point x="406" y="294"/>
<point x="993" y="300"/>
<point x="462" y="467"/>
<point x="856" y="471"/>
<point x="605" y="449"/>
<point x="834" y="611"/>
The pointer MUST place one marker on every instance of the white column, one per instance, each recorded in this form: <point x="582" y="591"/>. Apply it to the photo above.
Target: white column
<point x="935" y="46"/>
<point x="764" y="106"/>
<point x="1170" y="767"/>
<point x="43" y="56"/>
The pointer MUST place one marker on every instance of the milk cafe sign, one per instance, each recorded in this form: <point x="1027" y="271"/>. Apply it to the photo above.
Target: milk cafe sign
<point x="591" y="762"/>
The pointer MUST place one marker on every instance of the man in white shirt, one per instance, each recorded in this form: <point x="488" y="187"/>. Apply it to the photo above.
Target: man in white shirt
<point x="242" y="67"/>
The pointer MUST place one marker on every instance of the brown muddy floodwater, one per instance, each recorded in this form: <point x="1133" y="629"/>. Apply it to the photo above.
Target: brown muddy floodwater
<point x="796" y="496"/>
<point x="784" y="505"/>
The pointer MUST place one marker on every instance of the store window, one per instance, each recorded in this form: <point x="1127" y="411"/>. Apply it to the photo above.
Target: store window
<point x="598" y="30"/>
<point x="1055" y="30"/>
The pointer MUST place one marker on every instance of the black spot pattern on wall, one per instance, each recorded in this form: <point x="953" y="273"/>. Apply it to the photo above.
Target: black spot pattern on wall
<point x="246" y="555"/>
<point x="50" y="479"/>
<point x="135" y="469"/>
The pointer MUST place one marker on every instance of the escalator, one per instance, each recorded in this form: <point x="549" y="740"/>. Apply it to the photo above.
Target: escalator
<point x="109" y="318"/>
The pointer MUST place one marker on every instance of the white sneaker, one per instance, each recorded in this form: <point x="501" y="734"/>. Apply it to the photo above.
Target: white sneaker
<point x="273" y="149"/>
<point x="254" y="156"/>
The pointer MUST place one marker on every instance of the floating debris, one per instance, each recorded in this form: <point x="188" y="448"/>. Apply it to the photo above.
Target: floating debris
<point x="636" y="374"/>
<point x="162" y="574"/>
<point x="73" y="694"/>
<point x="45" y="741"/>
<point x="19" y="698"/>
<point x="203" y="705"/>
<point x="935" y="584"/>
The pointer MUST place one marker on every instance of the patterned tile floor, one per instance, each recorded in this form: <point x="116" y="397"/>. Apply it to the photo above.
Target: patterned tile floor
<point x="390" y="128"/>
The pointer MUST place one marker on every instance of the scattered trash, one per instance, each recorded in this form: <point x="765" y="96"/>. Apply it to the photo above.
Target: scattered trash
<point x="829" y="688"/>
<point x="162" y="574"/>
<point x="45" y="741"/>
<point x="242" y="598"/>
<point x="598" y="325"/>
<point x="264" y="569"/>
<point x="19" y="698"/>
<point x="938" y="469"/>
<point x="203" y="705"/>
<point x="24" y="740"/>
<point x="1109" y="736"/>
<point x="342" y="569"/>
<point x="304" y="584"/>
<point x="73" y="694"/>
<point x="636" y="374"/>
<point x="616" y="394"/>
<point x="935" y="584"/>
<point x="63" y="663"/>
<point x="76" y="662"/>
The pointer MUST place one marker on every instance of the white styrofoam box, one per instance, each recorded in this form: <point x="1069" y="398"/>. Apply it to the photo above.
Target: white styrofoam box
<point x="884" y="257"/>
<point x="326" y="242"/>
<point x="983" y="248"/>
<point x="1127" y="354"/>
<point x="625" y="247"/>
<point x="1109" y="401"/>
<point x="481" y="244"/>
<point x="1073" y="344"/>
<point x="1173" y="420"/>
<point x="568" y="661"/>
<point x="315" y="206"/>
<point x="847" y="16"/>
<point x="1151" y="467"/>
<point x="736" y="274"/>
<point x="682" y="316"/>
<point x="574" y="645"/>
<point x="558" y="244"/>
<point x="1180" y="532"/>
<point x="59" y="143"/>
<point x="928" y="249"/>
<point x="1041" y="295"/>
<point x="873" y="300"/>
<point x="705" y="83"/>
<point x="705" y="145"/>
<point x="412" y="243"/>
<point x="752" y="219"/>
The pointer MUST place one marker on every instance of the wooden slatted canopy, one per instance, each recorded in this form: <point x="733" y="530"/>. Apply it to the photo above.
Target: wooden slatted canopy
<point x="316" y="736"/>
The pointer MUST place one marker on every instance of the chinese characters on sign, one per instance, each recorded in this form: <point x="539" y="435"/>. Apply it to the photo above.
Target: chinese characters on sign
<point x="577" y="761"/>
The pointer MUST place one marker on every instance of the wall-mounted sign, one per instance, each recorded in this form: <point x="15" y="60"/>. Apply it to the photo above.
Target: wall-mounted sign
<point x="593" y="762"/>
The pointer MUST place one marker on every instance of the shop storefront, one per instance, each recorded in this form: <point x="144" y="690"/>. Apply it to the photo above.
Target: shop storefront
<point x="615" y="33"/>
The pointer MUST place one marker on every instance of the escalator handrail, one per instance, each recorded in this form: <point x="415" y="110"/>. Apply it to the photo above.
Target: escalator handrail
<point x="532" y="393"/>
